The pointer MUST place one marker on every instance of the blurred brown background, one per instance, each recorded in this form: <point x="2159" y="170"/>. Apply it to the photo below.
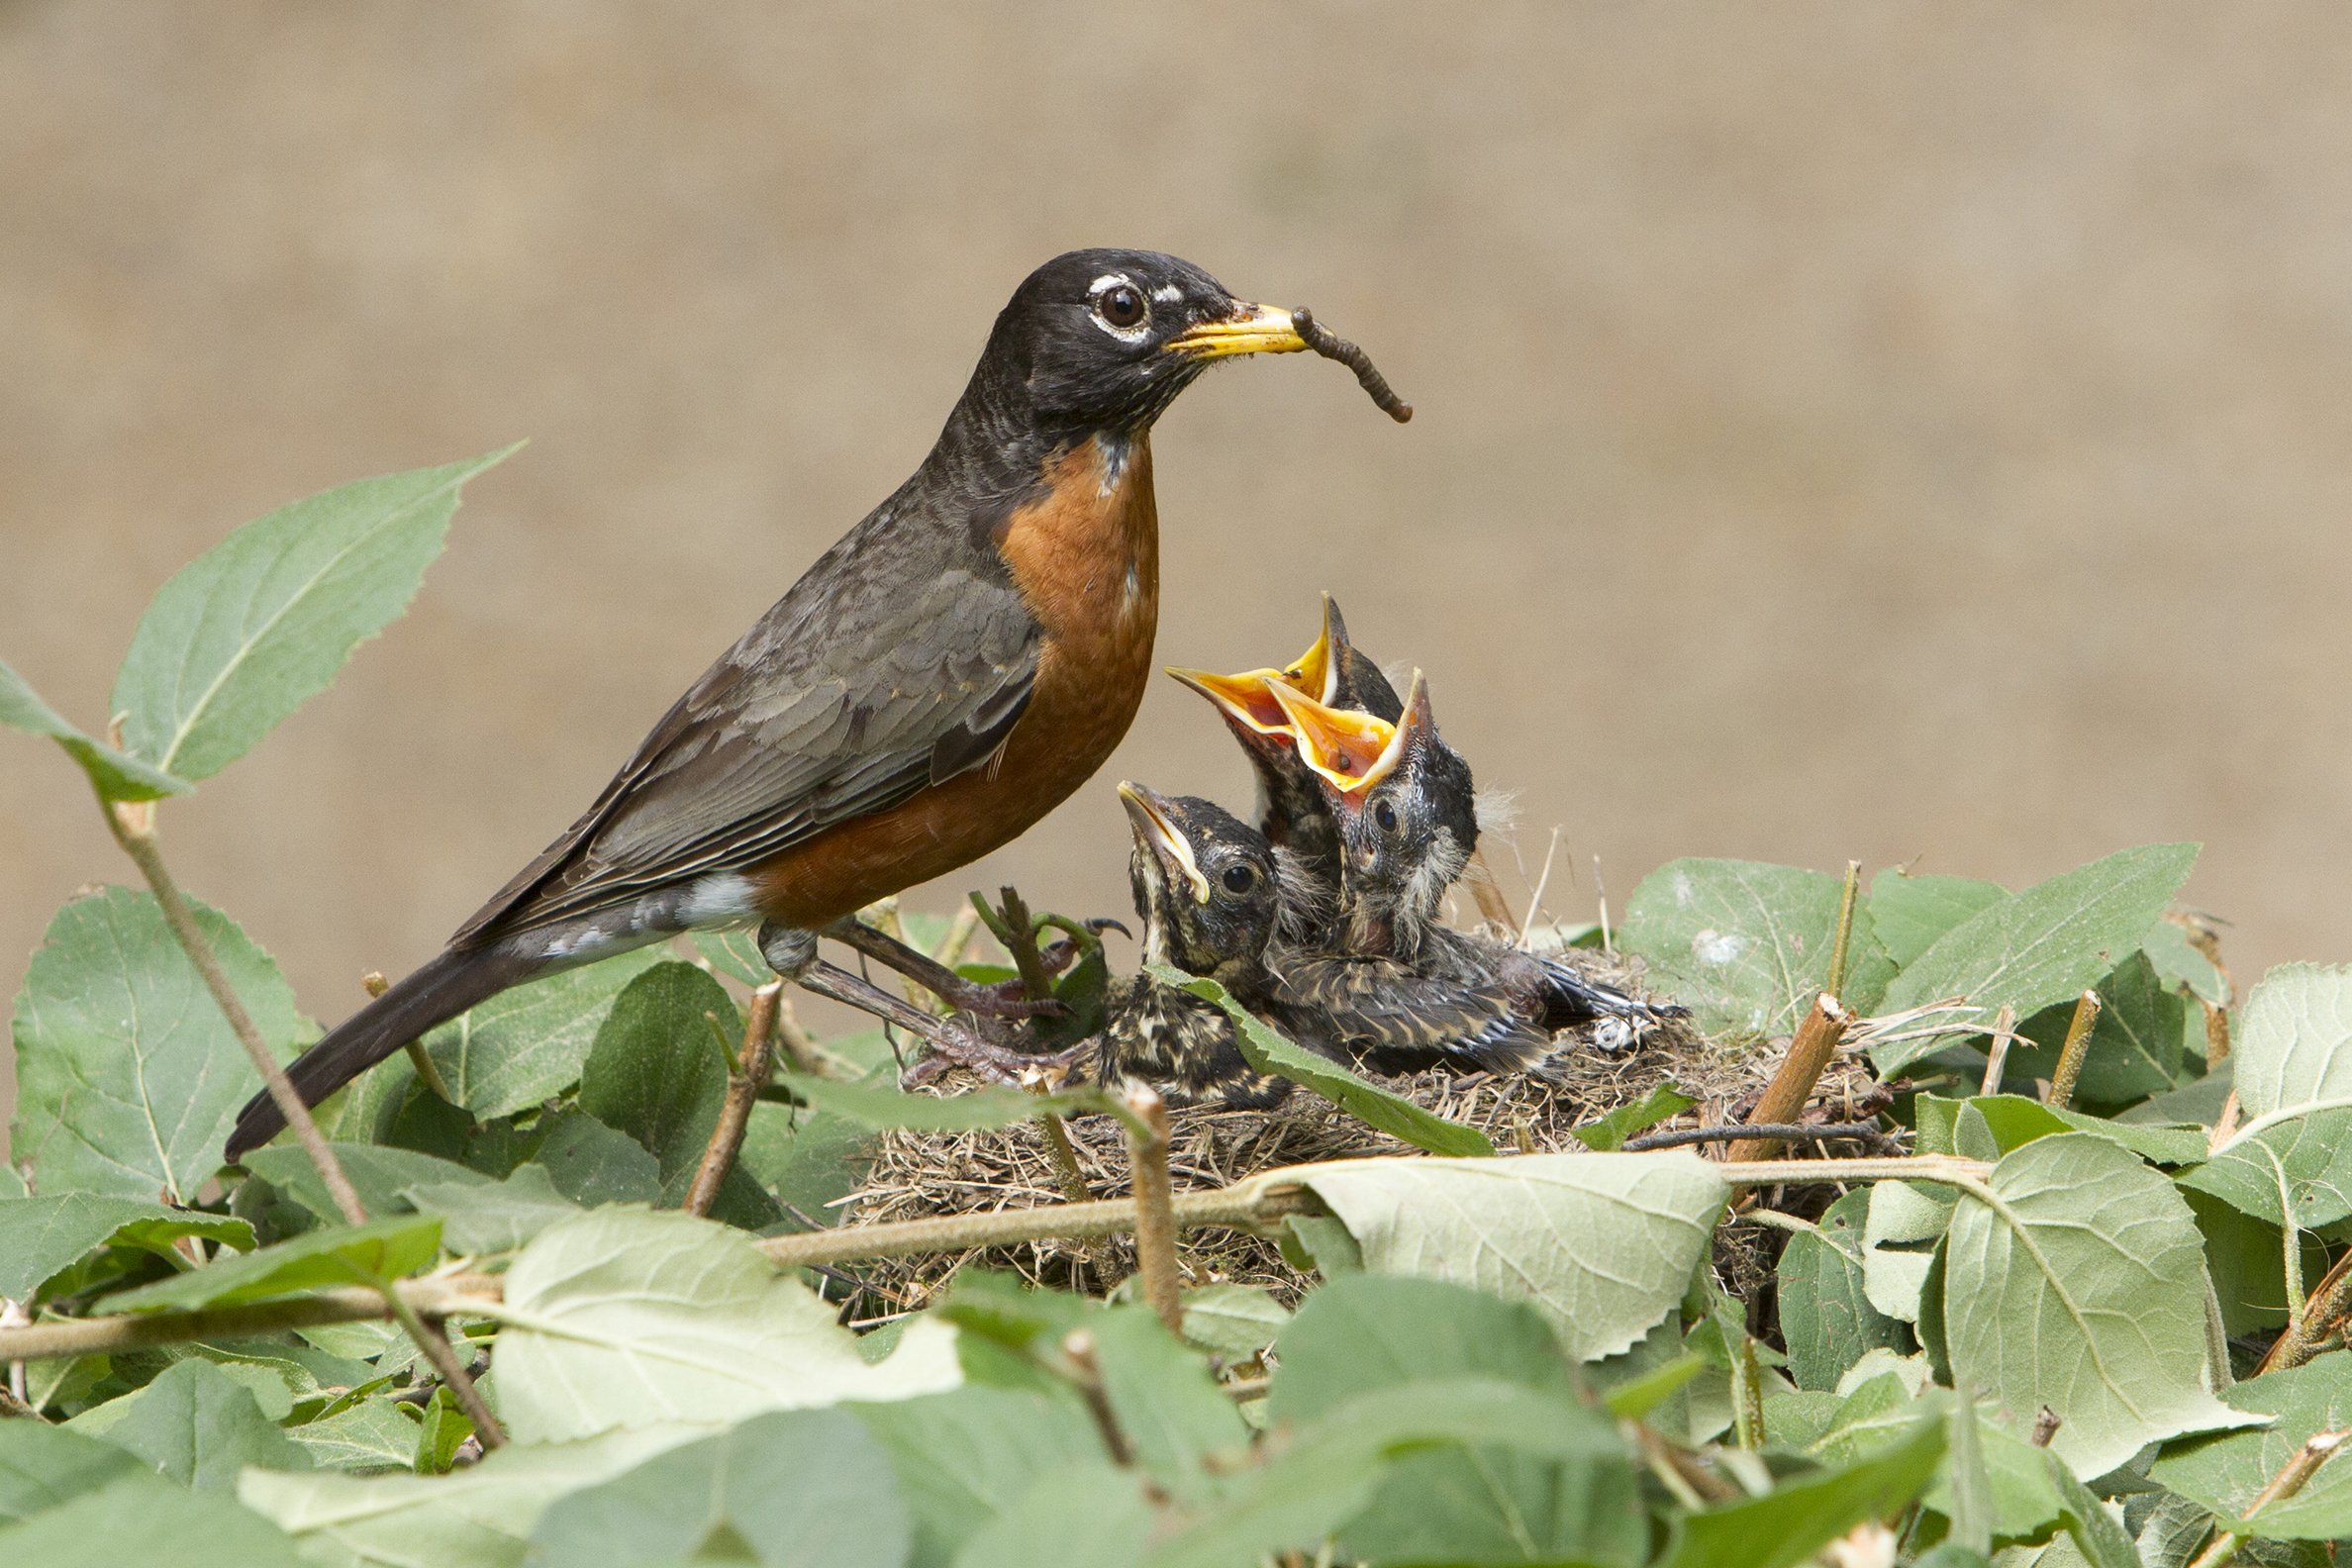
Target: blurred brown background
<point x="1879" y="430"/>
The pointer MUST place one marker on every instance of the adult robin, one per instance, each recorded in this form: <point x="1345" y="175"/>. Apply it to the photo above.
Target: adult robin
<point x="1408" y="824"/>
<point x="1207" y="890"/>
<point x="943" y="676"/>
<point x="1290" y="812"/>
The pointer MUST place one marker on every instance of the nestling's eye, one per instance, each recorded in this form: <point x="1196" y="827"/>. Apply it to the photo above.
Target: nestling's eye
<point x="1240" y="877"/>
<point x="1385" y="815"/>
<point x="1123" y="306"/>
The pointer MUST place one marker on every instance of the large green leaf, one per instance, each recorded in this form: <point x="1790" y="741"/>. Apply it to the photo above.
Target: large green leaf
<point x="1600" y="1243"/>
<point x="1747" y="946"/>
<point x="2078" y="1284"/>
<point x="1487" y="1505"/>
<point x="374" y="1253"/>
<point x="593" y="1164"/>
<point x="1825" y="1312"/>
<point x="492" y="1217"/>
<point x="1093" y="1513"/>
<point x="806" y="1158"/>
<point x="42" y="1466"/>
<point x="144" y="1519"/>
<point x="520" y="1047"/>
<point x="1805" y="1514"/>
<point x="1268" y="1052"/>
<point x="114" y="775"/>
<point x="2290" y="1159"/>
<point x="479" y="1517"/>
<point x="2225" y="1473"/>
<point x="1184" y="1431"/>
<point x="1910" y="913"/>
<point x="39" y="1236"/>
<point x="379" y="1174"/>
<point x="2148" y="1039"/>
<point x="793" y="1489"/>
<point x="370" y="1435"/>
<point x="196" y="1425"/>
<point x="2045" y="945"/>
<point x="260" y="624"/>
<point x="621" y="1318"/>
<point x="128" y="1075"/>
<point x="965" y="1457"/>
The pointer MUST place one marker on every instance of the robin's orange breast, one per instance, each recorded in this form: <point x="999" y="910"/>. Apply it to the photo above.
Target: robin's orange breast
<point x="1085" y="557"/>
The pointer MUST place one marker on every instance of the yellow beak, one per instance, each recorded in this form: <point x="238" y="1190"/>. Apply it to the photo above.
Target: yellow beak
<point x="1252" y="329"/>
<point x="1158" y="835"/>
<point x="1350" y="751"/>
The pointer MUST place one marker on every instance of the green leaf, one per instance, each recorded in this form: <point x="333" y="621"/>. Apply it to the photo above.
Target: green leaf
<point x="493" y="1217"/>
<point x="2290" y="1159"/>
<point x="1802" y="1515"/>
<point x="128" y="1076"/>
<point x="1747" y="946"/>
<point x="144" y="1519"/>
<point x="2015" y="1120"/>
<point x="1094" y="1514"/>
<point x="260" y="624"/>
<point x="1174" y="1416"/>
<point x="791" y="1488"/>
<point x="1232" y="1319"/>
<point x="2180" y="967"/>
<point x="474" y="1517"/>
<point x="807" y="1158"/>
<point x="656" y="1071"/>
<point x="2045" y="945"/>
<point x="525" y="1044"/>
<point x="881" y="1107"/>
<point x="1483" y="1505"/>
<point x="2226" y="1472"/>
<point x="115" y="776"/>
<point x="1268" y="1052"/>
<point x="378" y="1175"/>
<point x="966" y="1457"/>
<point x="42" y="1466"/>
<point x="1600" y="1243"/>
<point x="2139" y="1047"/>
<point x="1900" y="1228"/>
<point x="369" y="1435"/>
<point x="374" y="1253"/>
<point x="621" y="1318"/>
<point x="195" y="1425"/>
<point x="41" y="1237"/>
<point x="1910" y="913"/>
<point x="1608" y="1133"/>
<point x="1825" y="1312"/>
<point x="2078" y="1284"/>
<point x="593" y="1164"/>
<point x="735" y="954"/>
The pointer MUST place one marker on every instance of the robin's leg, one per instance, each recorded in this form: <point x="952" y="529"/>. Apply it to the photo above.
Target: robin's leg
<point x="792" y="953"/>
<point x="968" y="996"/>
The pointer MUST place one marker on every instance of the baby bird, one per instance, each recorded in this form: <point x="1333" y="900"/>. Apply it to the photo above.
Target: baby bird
<point x="1403" y="807"/>
<point x="1209" y="896"/>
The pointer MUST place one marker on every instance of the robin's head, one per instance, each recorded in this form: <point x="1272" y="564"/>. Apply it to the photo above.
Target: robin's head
<point x="1105" y="339"/>
<point x="1205" y="882"/>
<point x="1404" y="800"/>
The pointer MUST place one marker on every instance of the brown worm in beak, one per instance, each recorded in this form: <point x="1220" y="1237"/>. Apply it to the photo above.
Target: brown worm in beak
<point x="1331" y="346"/>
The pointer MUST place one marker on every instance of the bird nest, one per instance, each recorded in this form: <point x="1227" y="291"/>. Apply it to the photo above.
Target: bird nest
<point x="925" y="1175"/>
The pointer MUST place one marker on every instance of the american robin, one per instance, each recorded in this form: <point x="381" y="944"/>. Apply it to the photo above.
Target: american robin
<point x="1207" y="889"/>
<point x="943" y="677"/>
<point x="1290" y="812"/>
<point x="1408" y="823"/>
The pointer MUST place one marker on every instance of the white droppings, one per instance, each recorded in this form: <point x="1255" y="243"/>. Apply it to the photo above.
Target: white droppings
<point x="1682" y="889"/>
<point x="1717" y="947"/>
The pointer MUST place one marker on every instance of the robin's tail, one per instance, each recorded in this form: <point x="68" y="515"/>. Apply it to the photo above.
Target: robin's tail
<point x="435" y="994"/>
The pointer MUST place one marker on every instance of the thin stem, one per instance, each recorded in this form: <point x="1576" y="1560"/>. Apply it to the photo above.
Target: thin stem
<point x="444" y="1357"/>
<point x="1835" y="984"/>
<point x="1086" y="1371"/>
<point x="1760" y="1131"/>
<point x="2071" y="1054"/>
<point x="1019" y="936"/>
<point x="1248" y="1208"/>
<point x="1156" y="1207"/>
<point x="743" y="1093"/>
<point x="2289" y="1480"/>
<point x="1747" y="1395"/>
<point x="1817" y="1037"/>
<point x="2005" y="1029"/>
<point x="2301" y="1338"/>
<point x="134" y="828"/>
<point x="1066" y="1171"/>
<point x="461" y="1296"/>
<point x="427" y="1070"/>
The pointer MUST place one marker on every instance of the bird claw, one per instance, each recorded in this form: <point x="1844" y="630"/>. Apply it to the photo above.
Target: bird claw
<point x="955" y="1046"/>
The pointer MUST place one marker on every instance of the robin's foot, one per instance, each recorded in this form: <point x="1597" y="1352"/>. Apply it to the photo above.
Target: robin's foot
<point x="989" y="1063"/>
<point x="1002" y="1000"/>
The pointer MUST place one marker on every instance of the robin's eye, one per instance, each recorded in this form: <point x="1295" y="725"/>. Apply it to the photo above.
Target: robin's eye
<point x="1122" y="306"/>
<point x="1385" y="815"/>
<point x="1240" y="878"/>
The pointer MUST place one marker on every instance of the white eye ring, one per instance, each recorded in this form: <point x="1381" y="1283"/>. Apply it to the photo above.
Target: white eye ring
<point x="1099" y="294"/>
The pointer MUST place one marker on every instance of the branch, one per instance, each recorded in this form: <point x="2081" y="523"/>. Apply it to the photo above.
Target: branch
<point x="742" y="1092"/>
<point x="1817" y="1036"/>
<point x="1155" y="1211"/>
<point x="134" y="828"/>
<point x="464" y="1295"/>
<point x="1251" y="1208"/>
<point x="1759" y="1131"/>
<point x="2298" y="1471"/>
<point x="2303" y="1336"/>
<point x="2071" y="1054"/>
<point x="444" y="1357"/>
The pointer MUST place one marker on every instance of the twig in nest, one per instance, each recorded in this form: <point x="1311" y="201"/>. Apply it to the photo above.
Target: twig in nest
<point x="1331" y="346"/>
<point x="1824" y="1026"/>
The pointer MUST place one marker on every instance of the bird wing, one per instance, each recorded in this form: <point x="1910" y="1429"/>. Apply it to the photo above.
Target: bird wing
<point x="1404" y="1018"/>
<point x="834" y="706"/>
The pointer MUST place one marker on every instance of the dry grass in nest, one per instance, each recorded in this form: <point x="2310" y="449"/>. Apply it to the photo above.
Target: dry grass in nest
<point x="923" y="1175"/>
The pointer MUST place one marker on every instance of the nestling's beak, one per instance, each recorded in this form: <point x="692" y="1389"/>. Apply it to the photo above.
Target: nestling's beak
<point x="1252" y="329"/>
<point x="1243" y="699"/>
<point x="1349" y="751"/>
<point x="1316" y="672"/>
<point x="1148" y="815"/>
